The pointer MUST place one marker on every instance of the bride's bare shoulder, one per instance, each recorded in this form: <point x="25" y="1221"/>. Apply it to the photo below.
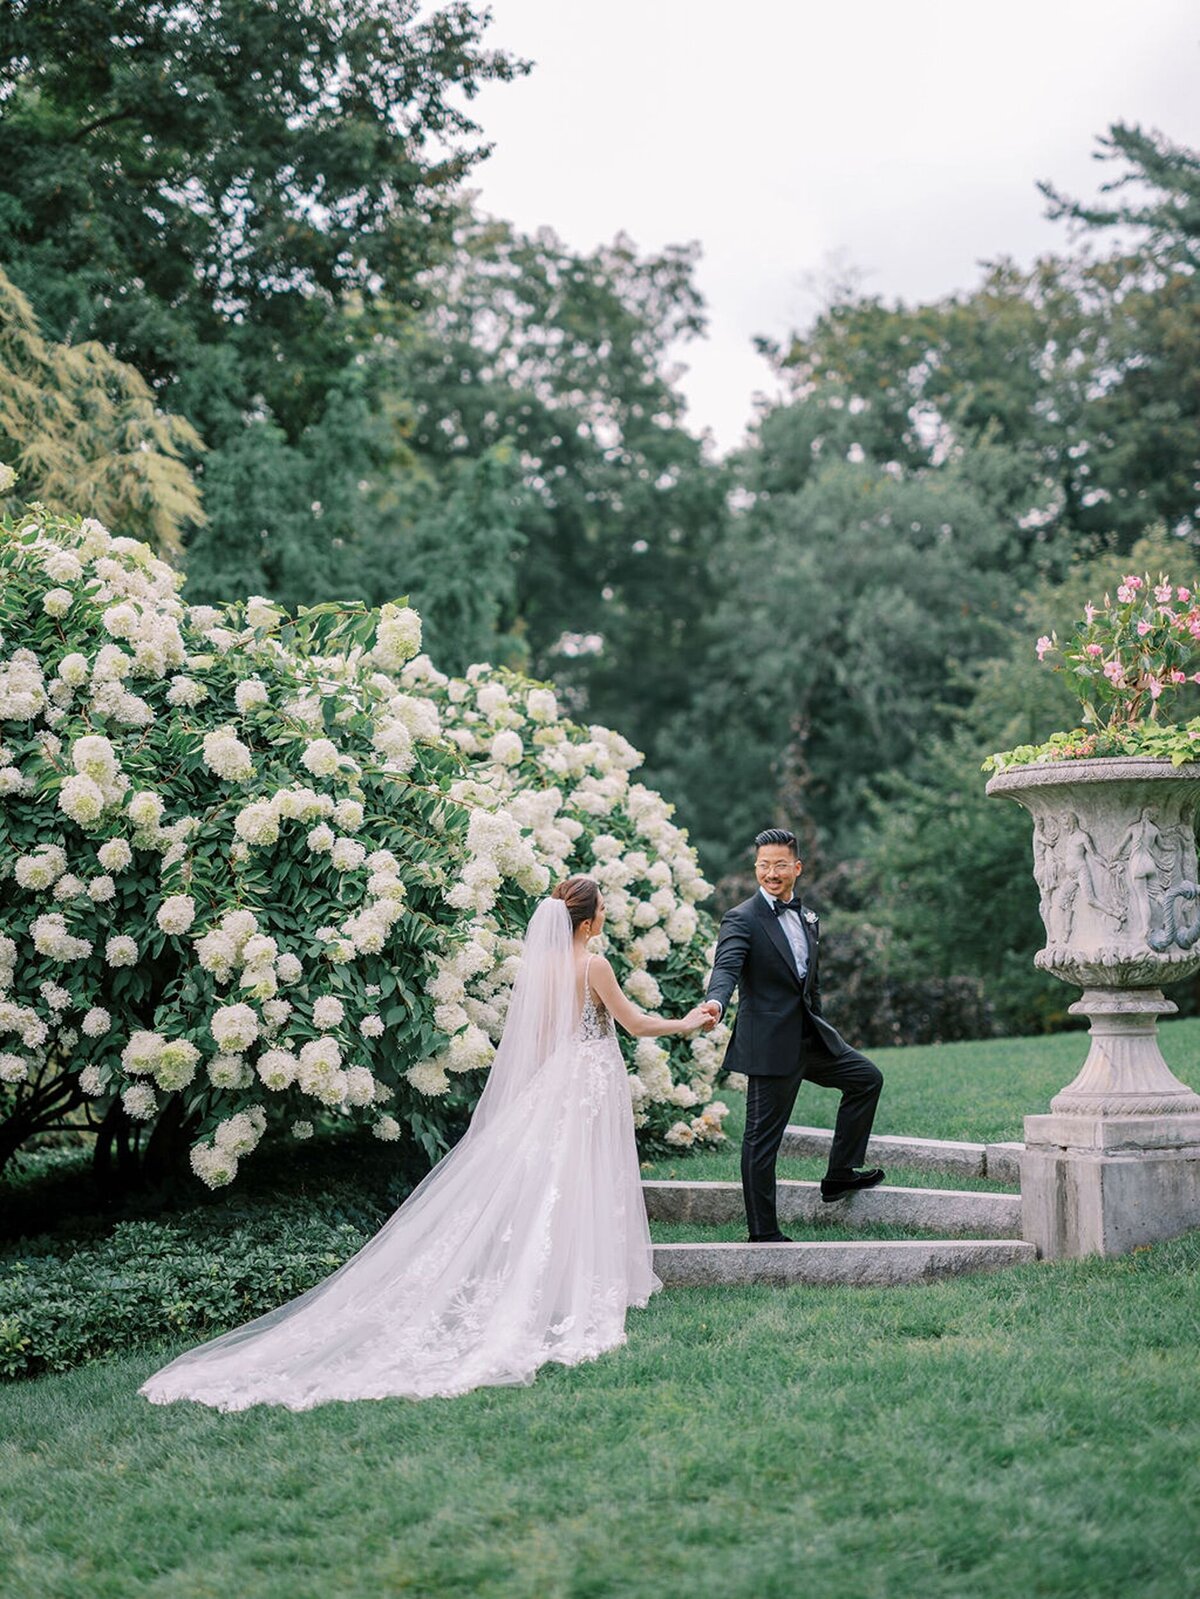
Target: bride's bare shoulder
<point x="600" y="967"/>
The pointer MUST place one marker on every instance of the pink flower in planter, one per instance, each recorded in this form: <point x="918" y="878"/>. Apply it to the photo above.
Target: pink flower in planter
<point x="1114" y="671"/>
<point x="1179" y="677"/>
<point x="1044" y="644"/>
<point x="1095" y="649"/>
<point x="1089" y="612"/>
<point x="1162" y="592"/>
<point x="1183" y="594"/>
<point x="1143" y="628"/>
<point x="1156" y="688"/>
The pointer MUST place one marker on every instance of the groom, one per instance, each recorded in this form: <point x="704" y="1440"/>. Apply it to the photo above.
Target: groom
<point x="767" y="950"/>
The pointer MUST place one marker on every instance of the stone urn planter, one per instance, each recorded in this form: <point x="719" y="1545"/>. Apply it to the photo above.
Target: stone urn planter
<point x="1116" y="1163"/>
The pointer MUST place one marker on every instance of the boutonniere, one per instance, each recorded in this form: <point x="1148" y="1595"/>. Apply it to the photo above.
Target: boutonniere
<point x="811" y="918"/>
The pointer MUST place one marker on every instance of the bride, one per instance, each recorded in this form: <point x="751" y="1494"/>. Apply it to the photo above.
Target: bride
<point x="525" y="1244"/>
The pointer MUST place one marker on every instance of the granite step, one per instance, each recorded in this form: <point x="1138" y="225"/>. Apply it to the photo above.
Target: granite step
<point x="940" y="1209"/>
<point x="866" y="1264"/>
<point x="1001" y="1162"/>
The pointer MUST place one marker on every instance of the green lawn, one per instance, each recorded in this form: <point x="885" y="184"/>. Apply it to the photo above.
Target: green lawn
<point x="1033" y="1432"/>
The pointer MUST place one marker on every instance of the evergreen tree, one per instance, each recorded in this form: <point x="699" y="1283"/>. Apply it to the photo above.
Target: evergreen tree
<point x="85" y="436"/>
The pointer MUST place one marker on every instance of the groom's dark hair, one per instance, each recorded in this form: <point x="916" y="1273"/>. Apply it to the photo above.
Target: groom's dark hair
<point x="777" y="835"/>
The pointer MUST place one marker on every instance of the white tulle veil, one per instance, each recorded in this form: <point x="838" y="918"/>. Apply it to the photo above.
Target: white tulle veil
<point x="542" y="1013"/>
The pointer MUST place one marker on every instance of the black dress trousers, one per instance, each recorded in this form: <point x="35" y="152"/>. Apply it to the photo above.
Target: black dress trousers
<point x="769" y="1102"/>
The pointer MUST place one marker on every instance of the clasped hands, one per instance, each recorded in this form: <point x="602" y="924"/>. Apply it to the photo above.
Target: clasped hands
<point x="701" y="1018"/>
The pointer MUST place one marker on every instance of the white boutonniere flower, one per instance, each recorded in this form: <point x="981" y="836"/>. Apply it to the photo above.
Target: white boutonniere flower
<point x="811" y="918"/>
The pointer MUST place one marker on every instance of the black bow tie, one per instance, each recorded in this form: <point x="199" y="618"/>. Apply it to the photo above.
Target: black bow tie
<point x="782" y="905"/>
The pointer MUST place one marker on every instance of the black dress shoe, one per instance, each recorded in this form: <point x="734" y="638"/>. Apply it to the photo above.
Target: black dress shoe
<point x="770" y="1238"/>
<point x="838" y="1187"/>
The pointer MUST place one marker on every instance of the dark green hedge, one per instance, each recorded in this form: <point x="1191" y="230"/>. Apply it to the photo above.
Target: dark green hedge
<point x="93" y="1286"/>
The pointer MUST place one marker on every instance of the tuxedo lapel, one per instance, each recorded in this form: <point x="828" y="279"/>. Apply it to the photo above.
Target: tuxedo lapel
<point x="778" y="937"/>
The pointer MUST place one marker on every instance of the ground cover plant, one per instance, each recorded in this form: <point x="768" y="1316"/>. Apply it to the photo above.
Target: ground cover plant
<point x="1023" y="1432"/>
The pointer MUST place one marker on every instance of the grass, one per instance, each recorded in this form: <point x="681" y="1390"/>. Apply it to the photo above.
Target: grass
<point x="1032" y="1432"/>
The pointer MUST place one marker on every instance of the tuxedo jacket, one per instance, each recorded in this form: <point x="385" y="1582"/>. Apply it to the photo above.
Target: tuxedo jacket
<point x="775" y="1008"/>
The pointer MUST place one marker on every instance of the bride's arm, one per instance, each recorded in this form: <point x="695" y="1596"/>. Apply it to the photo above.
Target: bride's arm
<point x="621" y="1008"/>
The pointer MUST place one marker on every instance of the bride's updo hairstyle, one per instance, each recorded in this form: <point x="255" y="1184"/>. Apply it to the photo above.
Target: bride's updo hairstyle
<point x="581" y="896"/>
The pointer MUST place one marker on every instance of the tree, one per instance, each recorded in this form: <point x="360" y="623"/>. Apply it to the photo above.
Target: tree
<point x="200" y="188"/>
<point x="84" y="433"/>
<point x="1147" y="413"/>
<point x="1018" y="362"/>
<point x="845" y="606"/>
<point x="1165" y="179"/>
<point x="565" y="357"/>
<point x="239" y="200"/>
<point x="351" y="512"/>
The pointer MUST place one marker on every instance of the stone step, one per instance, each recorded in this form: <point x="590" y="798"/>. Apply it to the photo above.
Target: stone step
<point x="1001" y="1162"/>
<point x="952" y="1210"/>
<point x="867" y="1264"/>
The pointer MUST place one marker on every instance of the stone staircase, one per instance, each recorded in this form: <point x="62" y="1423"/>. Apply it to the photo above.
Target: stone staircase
<point x="984" y="1226"/>
<point x="1000" y="1162"/>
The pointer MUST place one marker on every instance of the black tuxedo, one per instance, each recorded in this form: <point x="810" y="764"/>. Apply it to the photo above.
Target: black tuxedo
<point x="780" y="1038"/>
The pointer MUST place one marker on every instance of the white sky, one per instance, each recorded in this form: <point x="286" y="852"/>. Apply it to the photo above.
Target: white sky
<point x="903" y="140"/>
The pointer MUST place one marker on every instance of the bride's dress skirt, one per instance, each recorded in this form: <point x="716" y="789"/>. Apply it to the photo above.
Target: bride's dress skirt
<point x="526" y="1244"/>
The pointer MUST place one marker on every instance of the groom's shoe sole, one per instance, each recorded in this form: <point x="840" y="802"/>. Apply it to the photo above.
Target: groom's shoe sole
<point x="770" y="1238"/>
<point x="838" y="1187"/>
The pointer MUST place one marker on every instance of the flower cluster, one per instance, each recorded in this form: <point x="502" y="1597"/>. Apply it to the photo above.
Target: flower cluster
<point x="280" y="867"/>
<point x="548" y="797"/>
<point x="1130" y="654"/>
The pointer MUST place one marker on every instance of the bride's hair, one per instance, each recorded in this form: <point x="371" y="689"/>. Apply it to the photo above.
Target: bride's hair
<point x="581" y="896"/>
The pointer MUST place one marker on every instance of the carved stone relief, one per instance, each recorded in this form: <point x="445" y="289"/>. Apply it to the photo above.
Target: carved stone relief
<point x="1115" y="861"/>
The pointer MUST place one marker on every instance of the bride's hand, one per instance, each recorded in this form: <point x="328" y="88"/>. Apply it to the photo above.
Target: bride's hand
<point x="696" y="1018"/>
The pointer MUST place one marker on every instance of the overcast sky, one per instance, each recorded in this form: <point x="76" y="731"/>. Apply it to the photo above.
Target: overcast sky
<point x="786" y="136"/>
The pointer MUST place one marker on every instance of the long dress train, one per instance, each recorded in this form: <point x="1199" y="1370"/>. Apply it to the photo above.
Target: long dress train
<point x="526" y="1244"/>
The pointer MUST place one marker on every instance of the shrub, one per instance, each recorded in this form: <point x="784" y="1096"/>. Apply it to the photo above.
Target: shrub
<point x="195" y="1272"/>
<point x="260" y="870"/>
<point x="877" y="1008"/>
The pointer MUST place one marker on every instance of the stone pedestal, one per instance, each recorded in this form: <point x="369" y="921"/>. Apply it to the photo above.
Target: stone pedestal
<point x="1116" y="1163"/>
<point x="1093" y="1185"/>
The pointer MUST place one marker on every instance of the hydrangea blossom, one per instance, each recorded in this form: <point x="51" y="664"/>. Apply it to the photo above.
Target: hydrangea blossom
<point x="176" y="914"/>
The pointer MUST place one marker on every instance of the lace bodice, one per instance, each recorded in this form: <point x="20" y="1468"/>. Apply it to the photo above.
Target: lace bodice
<point x="594" y="1020"/>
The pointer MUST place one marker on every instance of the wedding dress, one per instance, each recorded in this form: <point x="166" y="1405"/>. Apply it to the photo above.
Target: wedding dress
<point x="525" y="1244"/>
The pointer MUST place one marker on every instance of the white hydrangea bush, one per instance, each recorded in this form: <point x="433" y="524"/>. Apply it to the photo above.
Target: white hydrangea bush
<point x="547" y="798"/>
<point x="222" y="855"/>
<point x="261" y="872"/>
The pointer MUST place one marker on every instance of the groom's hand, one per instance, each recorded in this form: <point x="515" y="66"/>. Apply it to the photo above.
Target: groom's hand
<point x="713" y="1011"/>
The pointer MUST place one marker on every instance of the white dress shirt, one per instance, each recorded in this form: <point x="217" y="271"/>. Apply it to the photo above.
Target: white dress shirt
<point x="792" y="931"/>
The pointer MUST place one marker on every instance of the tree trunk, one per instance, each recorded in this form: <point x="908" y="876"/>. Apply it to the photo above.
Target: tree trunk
<point x="115" y="1157"/>
<point x="165" y="1157"/>
<point x="125" y="1159"/>
<point x="41" y="1105"/>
